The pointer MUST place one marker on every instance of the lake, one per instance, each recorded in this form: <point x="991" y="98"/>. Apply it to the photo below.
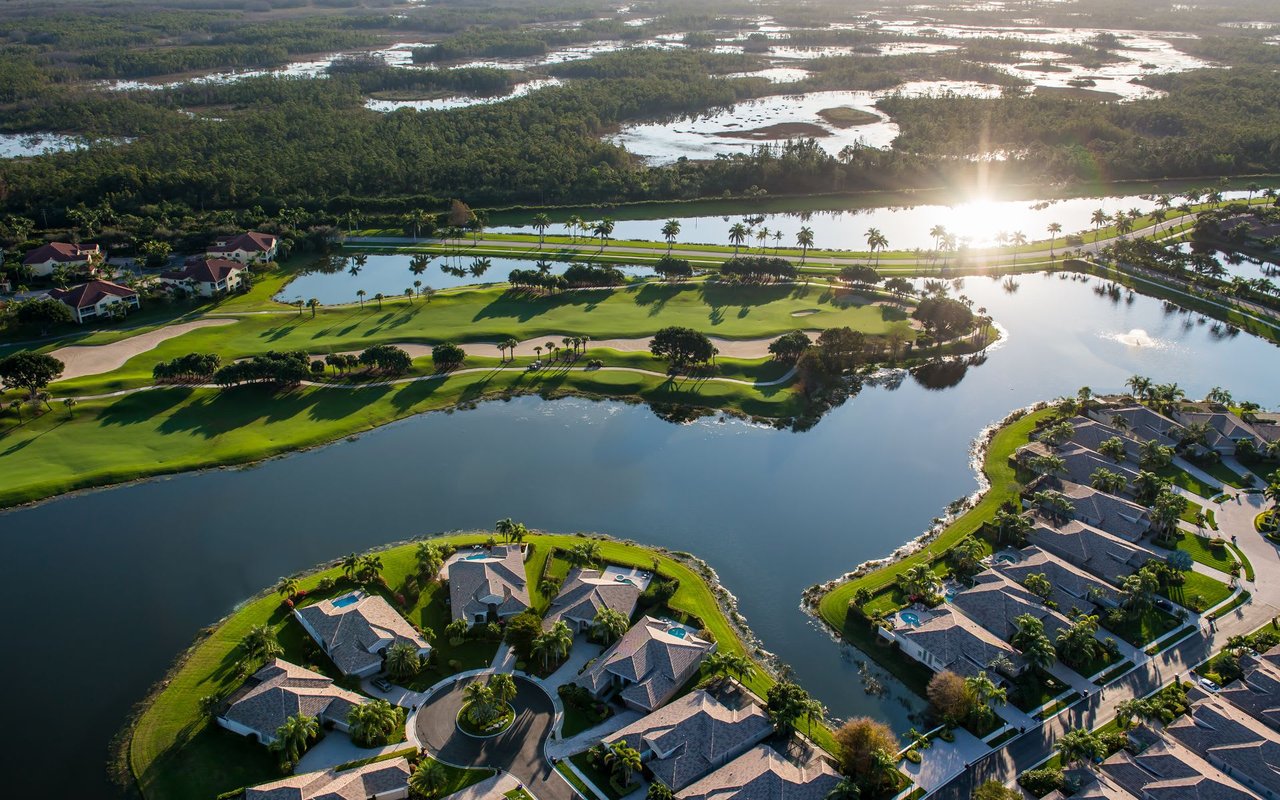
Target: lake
<point x="389" y="274"/>
<point x="110" y="585"/>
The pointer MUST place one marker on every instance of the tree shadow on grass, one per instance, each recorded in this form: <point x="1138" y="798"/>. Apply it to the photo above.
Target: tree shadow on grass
<point x="139" y="407"/>
<point x="524" y="307"/>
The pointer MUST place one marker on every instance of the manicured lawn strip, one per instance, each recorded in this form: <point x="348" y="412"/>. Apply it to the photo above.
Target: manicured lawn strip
<point x="1030" y="690"/>
<point x="1004" y="485"/>
<point x="1225" y="474"/>
<point x="1114" y="673"/>
<point x="407" y="752"/>
<point x="1181" y="478"/>
<point x="1053" y="708"/>
<point x="1189" y="513"/>
<point x="1198" y="546"/>
<point x="1212" y="591"/>
<point x="1153" y="624"/>
<point x="1172" y="640"/>
<point x="1235" y="603"/>
<point x="574" y="781"/>
<point x="601" y="779"/>
<point x="1244" y="562"/>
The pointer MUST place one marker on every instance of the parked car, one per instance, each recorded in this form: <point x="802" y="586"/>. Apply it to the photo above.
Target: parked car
<point x="382" y="684"/>
<point x="1208" y="685"/>
<point x="1163" y="605"/>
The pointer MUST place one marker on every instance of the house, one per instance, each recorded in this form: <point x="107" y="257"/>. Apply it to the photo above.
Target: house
<point x="1257" y="692"/>
<point x="47" y="257"/>
<point x="1089" y="548"/>
<point x="1139" y="422"/>
<point x="207" y="277"/>
<point x="1071" y="587"/>
<point x="1162" y="769"/>
<point x="1224" y="430"/>
<point x="95" y="299"/>
<point x="487" y="585"/>
<point x="1116" y="515"/>
<point x="1090" y="786"/>
<point x="649" y="664"/>
<point x="356" y="629"/>
<point x="1091" y="434"/>
<point x="1230" y="740"/>
<point x="247" y="248"/>
<point x="801" y="774"/>
<point x="685" y="740"/>
<point x="944" y="639"/>
<point x="1079" y="463"/>
<point x="281" y="690"/>
<point x="381" y="780"/>
<point x="585" y="593"/>
<point x="994" y="602"/>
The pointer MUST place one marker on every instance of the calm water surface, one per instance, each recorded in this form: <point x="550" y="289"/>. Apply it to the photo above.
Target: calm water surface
<point x="108" y="586"/>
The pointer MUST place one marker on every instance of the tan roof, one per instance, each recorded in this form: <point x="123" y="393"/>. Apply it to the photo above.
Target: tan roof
<point x="352" y="633"/>
<point x="281" y="690"/>
<point x="359" y="783"/>
<point x="653" y="663"/>
<point x="497" y="579"/>
<point x="763" y="773"/>
<point x="1070" y="585"/>
<point x="994" y="602"/>
<point x="1087" y="547"/>
<point x="585" y="593"/>
<point x="957" y="642"/>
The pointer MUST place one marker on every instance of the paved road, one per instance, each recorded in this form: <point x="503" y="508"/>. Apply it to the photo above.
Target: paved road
<point x="518" y="750"/>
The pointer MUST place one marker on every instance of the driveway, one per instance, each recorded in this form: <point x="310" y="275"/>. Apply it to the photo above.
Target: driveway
<point x="518" y="750"/>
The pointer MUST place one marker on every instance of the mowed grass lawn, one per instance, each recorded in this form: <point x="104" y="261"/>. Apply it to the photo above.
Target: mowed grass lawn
<point x="176" y="429"/>
<point x="177" y="754"/>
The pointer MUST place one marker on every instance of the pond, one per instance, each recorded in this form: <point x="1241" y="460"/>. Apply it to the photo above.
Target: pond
<point x="1239" y="264"/>
<point x="460" y="101"/>
<point x="130" y="574"/>
<point x="16" y="145"/>
<point x="743" y="127"/>
<point x="389" y="274"/>
<point x="977" y="221"/>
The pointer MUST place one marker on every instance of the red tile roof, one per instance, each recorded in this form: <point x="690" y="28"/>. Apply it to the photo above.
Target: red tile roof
<point x="204" y="270"/>
<point x="249" y="242"/>
<point x="59" y="251"/>
<point x="91" y="293"/>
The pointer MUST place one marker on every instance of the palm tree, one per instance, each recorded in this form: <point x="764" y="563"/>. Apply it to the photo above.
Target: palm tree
<point x="1099" y="218"/>
<point x="583" y="554"/>
<point x="260" y="645"/>
<point x="561" y="639"/>
<point x="1140" y="386"/>
<point x="603" y="229"/>
<point x="622" y="761"/>
<point x="805" y="239"/>
<point x="938" y="233"/>
<point x="419" y="262"/>
<point x="568" y="342"/>
<point x="313" y="304"/>
<point x="1078" y="642"/>
<point x="762" y="236"/>
<point x="1012" y="528"/>
<point x="429" y="779"/>
<point x="69" y="403"/>
<point x="371" y="723"/>
<point x="876" y="241"/>
<point x="541" y="222"/>
<point x="293" y="737"/>
<point x="537" y="350"/>
<point x="408" y="293"/>
<point x="1079" y="745"/>
<point x="503" y="688"/>
<point x="919" y="583"/>
<point x="737" y="234"/>
<point x="551" y="348"/>
<point x="287" y="587"/>
<point x="1055" y="228"/>
<point x="477" y="698"/>
<point x="670" y="230"/>
<point x="510" y="343"/>
<point x="722" y="664"/>
<point x="1032" y="641"/>
<point x="884" y="768"/>
<point x="574" y="223"/>
<point x="777" y="240"/>
<point x="985" y="692"/>
<point x="609" y="625"/>
<point x="403" y="660"/>
<point x="846" y="789"/>
<point x="360" y="293"/>
<point x="1017" y="239"/>
<point x="349" y="565"/>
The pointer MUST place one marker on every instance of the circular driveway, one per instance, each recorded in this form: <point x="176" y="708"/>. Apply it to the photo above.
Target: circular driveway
<point x="517" y="750"/>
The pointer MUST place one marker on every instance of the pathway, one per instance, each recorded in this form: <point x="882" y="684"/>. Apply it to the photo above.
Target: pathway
<point x="563" y="748"/>
<point x="337" y="748"/>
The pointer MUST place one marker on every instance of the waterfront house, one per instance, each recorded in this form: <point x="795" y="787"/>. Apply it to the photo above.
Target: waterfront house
<point x="356" y="629"/>
<point x="648" y="665"/>
<point x="1089" y="548"/>
<point x="1223" y="430"/>
<point x="585" y="593"/>
<point x="281" y="690"/>
<point x="250" y="247"/>
<point x="95" y="299"/>
<point x="1070" y="587"/>
<point x="207" y="277"/>
<point x="1116" y="515"/>
<point x="1139" y="422"/>
<point x="1079" y="463"/>
<point x="487" y="585"/>
<point x="44" y="259"/>
<point x="944" y="639"/>
<point x="802" y="773"/>
<point x="994" y="602"/>
<point x="381" y="780"/>
<point x="689" y="737"/>
<point x="1090" y="434"/>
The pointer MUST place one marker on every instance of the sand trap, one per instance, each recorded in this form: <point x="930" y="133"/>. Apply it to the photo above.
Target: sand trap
<point x="99" y="358"/>
<point x="805" y="312"/>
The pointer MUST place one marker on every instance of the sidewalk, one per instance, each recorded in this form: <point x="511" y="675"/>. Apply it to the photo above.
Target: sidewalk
<point x="563" y="748"/>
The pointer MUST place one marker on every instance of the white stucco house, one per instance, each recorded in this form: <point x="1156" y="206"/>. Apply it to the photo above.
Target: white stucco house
<point x="46" y="257"/>
<point x="207" y="277"/>
<point x="280" y="690"/>
<point x="94" y="299"/>
<point x="356" y="629"/>
<point x="250" y="247"/>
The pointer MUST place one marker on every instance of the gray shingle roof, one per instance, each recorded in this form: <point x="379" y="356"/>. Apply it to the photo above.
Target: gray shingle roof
<point x="281" y="690"/>
<point x="585" y="593"/>
<point x="697" y="733"/>
<point x="1231" y="740"/>
<point x="353" y="634"/>
<point x="1168" y="771"/>
<point x="1091" y="434"/>
<point x="1258" y="691"/>
<point x="652" y="664"/>
<point x="1223" y="428"/>
<point x="763" y="773"/>
<point x="499" y="580"/>
<point x="1071" y="585"/>
<point x="1087" y="547"/>
<point x="359" y="783"/>
<point x="1115" y="515"/>
<point x="994" y="602"/>
<point x="959" y="643"/>
<point x="1143" y="423"/>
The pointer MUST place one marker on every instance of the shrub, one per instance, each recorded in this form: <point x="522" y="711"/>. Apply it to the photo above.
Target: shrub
<point x="858" y="740"/>
<point x="913" y="755"/>
<point x="1040" y="782"/>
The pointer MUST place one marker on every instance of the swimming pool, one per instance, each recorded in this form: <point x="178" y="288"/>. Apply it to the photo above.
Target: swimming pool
<point x="348" y="600"/>
<point x="679" y="633"/>
<point x="910" y="618"/>
<point x="477" y="557"/>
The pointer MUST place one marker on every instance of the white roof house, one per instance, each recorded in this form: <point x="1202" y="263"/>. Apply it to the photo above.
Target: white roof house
<point x="356" y="630"/>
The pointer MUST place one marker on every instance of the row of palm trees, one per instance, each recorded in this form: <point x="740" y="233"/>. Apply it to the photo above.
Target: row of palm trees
<point x="572" y="346"/>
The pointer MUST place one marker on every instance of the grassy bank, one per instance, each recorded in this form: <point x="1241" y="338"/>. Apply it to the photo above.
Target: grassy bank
<point x="176" y="753"/>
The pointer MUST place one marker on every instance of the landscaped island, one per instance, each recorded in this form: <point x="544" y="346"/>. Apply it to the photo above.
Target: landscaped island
<point x="413" y="657"/>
